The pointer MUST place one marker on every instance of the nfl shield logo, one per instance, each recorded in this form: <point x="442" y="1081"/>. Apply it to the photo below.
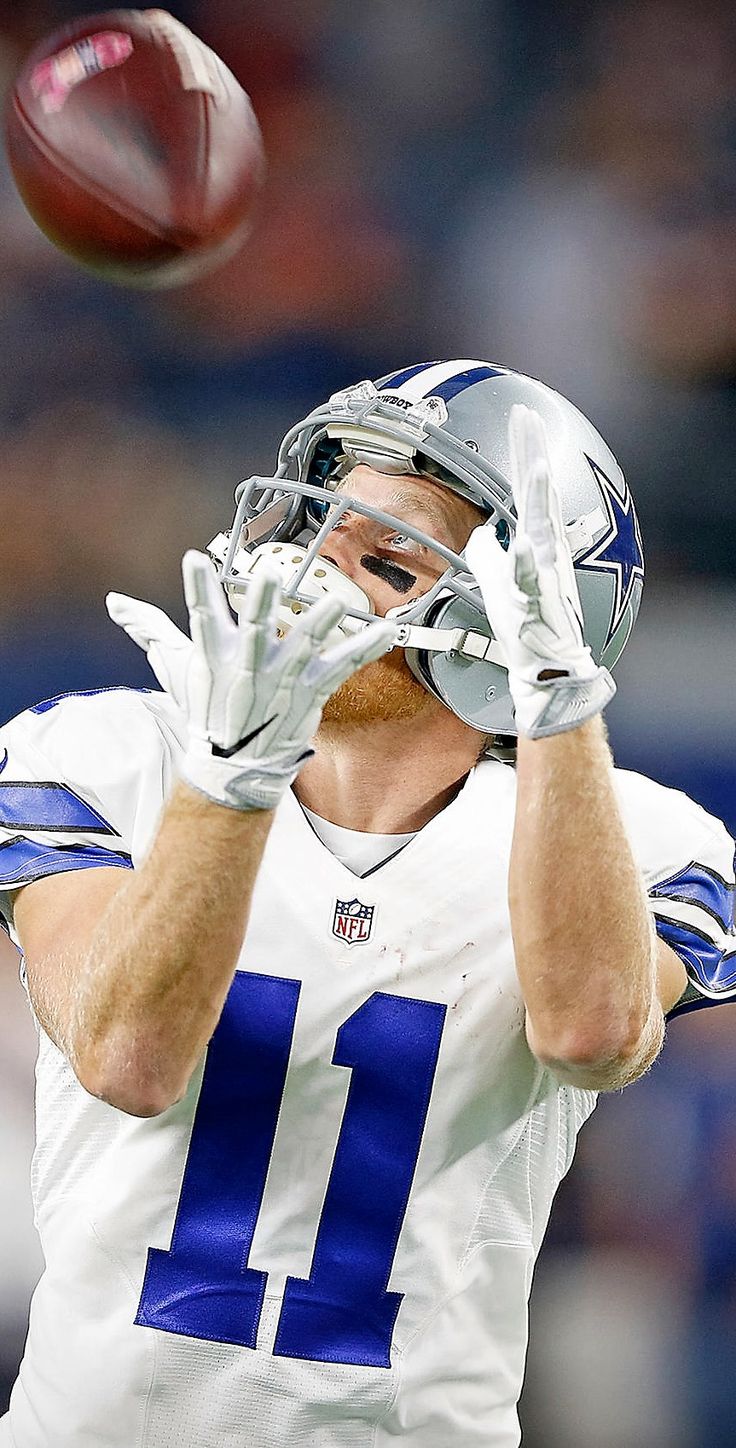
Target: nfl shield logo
<point x="352" y="922"/>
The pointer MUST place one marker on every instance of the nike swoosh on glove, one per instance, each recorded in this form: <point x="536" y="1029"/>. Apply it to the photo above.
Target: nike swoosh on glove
<point x="531" y="596"/>
<point x="253" y="702"/>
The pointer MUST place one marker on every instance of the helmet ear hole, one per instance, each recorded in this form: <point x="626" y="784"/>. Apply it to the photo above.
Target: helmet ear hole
<point x="474" y="689"/>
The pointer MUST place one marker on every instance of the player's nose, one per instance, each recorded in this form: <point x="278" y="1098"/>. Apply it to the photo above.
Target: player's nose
<point x="342" y="547"/>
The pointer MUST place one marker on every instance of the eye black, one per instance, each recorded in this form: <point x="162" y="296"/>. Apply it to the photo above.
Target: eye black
<point x="398" y="578"/>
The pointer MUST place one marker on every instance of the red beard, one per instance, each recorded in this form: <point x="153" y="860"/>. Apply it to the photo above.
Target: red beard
<point x="379" y="692"/>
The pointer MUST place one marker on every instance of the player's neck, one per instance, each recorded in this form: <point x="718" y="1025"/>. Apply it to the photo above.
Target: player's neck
<point x="389" y="778"/>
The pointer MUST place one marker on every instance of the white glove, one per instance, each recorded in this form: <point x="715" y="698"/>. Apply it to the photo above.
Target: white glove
<point x="168" y="650"/>
<point x="253" y="702"/>
<point x="531" y="596"/>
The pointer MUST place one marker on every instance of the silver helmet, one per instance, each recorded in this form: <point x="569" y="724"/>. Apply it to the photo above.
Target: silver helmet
<point x="447" y="421"/>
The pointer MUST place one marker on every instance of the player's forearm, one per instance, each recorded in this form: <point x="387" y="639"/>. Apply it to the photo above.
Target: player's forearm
<point x="582" y="932"/>
<point x="155" y="973"/>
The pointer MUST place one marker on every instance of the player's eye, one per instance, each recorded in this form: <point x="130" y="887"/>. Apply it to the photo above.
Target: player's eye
<point x="402" y="543"/>
<point x="341" y="520"/>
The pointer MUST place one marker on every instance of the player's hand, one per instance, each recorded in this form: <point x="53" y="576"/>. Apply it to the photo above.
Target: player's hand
<point x="531" y="596"/>
<point x="253" y="701"/>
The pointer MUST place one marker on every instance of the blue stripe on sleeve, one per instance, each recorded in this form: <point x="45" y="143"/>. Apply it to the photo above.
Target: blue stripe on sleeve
<point x="697" y="885"/>
<point x="699" y="955"/>
<point x="23" y="861"/>
<point x="45" y="704"/>
<point x="705" y="963"/>
<point x="26" y="805"/>
<point x="462" y="380"/>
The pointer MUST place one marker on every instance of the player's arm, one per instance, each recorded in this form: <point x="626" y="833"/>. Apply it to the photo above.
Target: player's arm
<point x="585" y="948"/>
<point x="129" y="970"/>
<point x="597" y="981"/>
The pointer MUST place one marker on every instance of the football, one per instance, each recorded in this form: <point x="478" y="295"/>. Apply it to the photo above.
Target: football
<point x="134" y="148"/>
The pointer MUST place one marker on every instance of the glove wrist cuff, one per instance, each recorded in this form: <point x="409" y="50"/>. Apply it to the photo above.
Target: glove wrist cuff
<point x="560" y="704"/>
<point x="237" y="783"/>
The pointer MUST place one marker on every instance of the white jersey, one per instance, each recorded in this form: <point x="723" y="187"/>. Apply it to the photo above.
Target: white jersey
<point x="329" y="1241"/>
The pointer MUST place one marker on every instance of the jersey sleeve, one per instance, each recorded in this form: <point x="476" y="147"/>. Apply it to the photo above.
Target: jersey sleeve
<point x="82" y="781"/>
<point x="687" y="858"/>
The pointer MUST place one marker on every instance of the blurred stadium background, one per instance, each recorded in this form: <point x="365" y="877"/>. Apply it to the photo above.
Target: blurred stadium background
<point x="549" y="185"/>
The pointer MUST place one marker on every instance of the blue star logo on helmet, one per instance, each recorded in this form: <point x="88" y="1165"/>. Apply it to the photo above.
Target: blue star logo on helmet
<point x="619" y="551"/>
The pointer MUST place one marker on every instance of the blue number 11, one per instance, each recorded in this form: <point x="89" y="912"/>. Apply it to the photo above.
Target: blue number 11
<point x="343" y="1312"/>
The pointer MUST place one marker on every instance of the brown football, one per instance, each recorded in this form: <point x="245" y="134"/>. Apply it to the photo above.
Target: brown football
<point x="134" y="147"/>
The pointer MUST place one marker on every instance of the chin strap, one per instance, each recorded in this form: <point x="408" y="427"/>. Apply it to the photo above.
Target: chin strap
<point x="463" y="641"/>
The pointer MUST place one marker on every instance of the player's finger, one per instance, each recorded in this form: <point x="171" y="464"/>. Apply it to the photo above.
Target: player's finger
<point x="209" y="619"/>
<point x="517" y="456"/>
<point x="295" y="653"/>
<point x="258" y="618"/>
<point x="484" y="553"/>
<point x="535" y="438"/>
<point x="547" y="529"/>
<point x="554" y="508"/>
<point x="262" y="595"/>
<point x="338" y="663"/>
<point x="167" y="649"/>
<point x="308" y="634"/>
<point x="526" y="575"/>
<point x="144" y="622"/>
<point x="538" y="525"/>
<point x="529" y="458"/>
<point x="318" y="621"/>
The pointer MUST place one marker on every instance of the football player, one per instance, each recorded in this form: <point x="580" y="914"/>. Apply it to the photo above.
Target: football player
<point x="332" y="943"/>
